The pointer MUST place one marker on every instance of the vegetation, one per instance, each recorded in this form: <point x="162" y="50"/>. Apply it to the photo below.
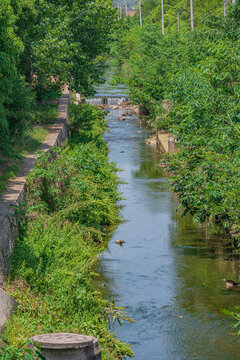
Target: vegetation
<point x="198" y="71"/>
<point x="43" y="45"/>
<point x="27" y="141"/>
<point x="71" y="198"/>
<point x="8" y="352"/>
<point x="71" y="202"/>
<point x="153" y="10"/>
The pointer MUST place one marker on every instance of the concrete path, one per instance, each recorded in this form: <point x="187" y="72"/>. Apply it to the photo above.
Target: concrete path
<point x="15" y="192"/>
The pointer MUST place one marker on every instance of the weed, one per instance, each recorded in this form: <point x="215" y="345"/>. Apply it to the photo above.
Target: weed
<point x="71" y="201"/>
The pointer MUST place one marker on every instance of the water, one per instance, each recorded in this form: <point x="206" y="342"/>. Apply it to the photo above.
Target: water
<point x="106" y="100"/>
<point x="107" y="94"/>
<point x="169" y="272"/>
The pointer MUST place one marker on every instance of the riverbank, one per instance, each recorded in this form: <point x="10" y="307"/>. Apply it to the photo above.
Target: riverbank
<point x="15" y="193"/>
<point x="27" y="140"/>
<point x="165" y="256"/>
<point x="71" y="202"/>
<point x="204" y="113"/>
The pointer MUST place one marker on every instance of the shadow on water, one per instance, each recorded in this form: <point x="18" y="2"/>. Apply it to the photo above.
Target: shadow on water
<point x="169" y="272"/>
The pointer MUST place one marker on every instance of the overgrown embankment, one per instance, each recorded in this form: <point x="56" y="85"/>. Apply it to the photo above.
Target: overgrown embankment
<point x="198" y="71"/>
<point x="71" y="201"/>
<point x="26" y="141"/>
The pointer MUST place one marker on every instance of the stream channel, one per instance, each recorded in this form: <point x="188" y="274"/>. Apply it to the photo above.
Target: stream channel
<point x="169" y="272"/>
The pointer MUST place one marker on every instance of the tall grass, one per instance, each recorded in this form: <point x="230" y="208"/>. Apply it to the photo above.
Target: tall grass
<point x="71" y="201"/>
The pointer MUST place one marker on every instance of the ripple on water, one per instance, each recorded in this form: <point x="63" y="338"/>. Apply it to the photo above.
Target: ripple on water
<point x="168" y="274"/>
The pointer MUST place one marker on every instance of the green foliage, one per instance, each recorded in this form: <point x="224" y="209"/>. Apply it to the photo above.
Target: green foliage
<point x="71" y="200"/>
<point x="87" y="125"/>
<point x="43" y="46"/>
<point x="236" y="315"/>
<point x="199" y="73"/>
<point x="44" y="113"/>
<point x="10" y="80"/>
<point x="64" y="42"/>
<point x="26" y="142"/>
<point x="8" y="173"/>
<point x="153" y="10"/>
<point x="8" y="352"/>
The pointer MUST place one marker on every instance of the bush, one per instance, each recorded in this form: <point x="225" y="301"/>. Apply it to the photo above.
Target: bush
<point x="71" y="200"/>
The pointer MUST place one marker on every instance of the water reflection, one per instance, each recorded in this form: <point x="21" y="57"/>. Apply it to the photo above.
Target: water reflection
<point x="169" y="273"/>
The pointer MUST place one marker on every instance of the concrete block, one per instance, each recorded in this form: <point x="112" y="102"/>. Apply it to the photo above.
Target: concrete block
<point x="172" y="148"/>
<point x="64" y="346"/>
<point x="7" y="305"/>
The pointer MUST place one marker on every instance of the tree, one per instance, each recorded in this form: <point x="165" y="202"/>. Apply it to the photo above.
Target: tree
<point x="45" y="44"/>
<point x="11" y="48"/>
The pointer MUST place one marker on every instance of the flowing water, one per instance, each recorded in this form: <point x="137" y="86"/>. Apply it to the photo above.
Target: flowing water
<point x="169" y="272"/>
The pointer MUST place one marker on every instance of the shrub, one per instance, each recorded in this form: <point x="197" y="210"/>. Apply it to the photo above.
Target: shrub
<point x="71" y="200"/>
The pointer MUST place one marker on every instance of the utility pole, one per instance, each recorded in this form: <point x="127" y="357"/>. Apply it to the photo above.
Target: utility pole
<point x="121" y="8"/>
<point x="178" y="21"/>
<point x="192" y="21"/>
<point x="126" y="8"/>
<point x="225" y="7"/>
<point x="140" y="12"/>
<point x="162" y="19"/>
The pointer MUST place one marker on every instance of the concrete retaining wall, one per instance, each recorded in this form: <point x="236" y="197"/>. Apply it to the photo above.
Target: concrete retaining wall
<point x="165" y="143"/>
<point x="172" y="146"/>
<point x="7" y="305"/>
<point x="162" y="141"/>
<point x="15" y="193"/>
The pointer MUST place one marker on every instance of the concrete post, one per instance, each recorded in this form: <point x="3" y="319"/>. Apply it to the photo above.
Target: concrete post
<point x="64" y="346"/>
<point x="140" y="12"/>
<point x="172" y="148"/>
<point x="191" y="10"/>
<point x="126" y="8"/>
<point x="225" y="7"/>
<point x="162" y="19"/>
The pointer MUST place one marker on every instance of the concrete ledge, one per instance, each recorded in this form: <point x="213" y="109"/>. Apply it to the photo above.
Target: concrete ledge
<point x="165" y="143"/>
<point x="7" y="305"/>
<point x="15" y="193"/>
<point x="63" y="346"/>
<point x="162" y="141"/>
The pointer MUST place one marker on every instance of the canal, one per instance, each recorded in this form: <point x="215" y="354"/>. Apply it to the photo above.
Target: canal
<point x="169" y="272"/>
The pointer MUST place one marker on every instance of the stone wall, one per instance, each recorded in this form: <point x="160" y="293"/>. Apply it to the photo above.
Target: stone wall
<point x="15" y="192"/>
<point x="7" y="305"/>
